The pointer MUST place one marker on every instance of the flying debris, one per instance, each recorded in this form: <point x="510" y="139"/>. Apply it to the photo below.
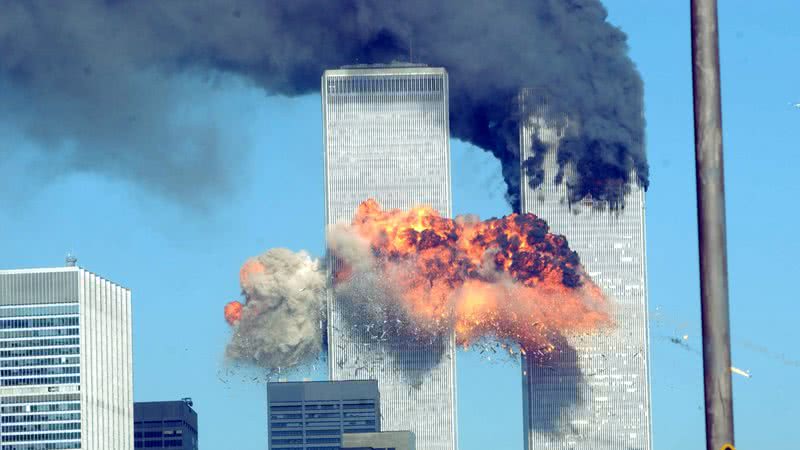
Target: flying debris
<point x="741" y="372"/>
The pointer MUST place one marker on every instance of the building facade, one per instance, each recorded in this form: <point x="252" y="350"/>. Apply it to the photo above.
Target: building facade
<point x="65" y="361"/>
<point x="386" y="136"/>
<point x="596" y="394"/>
<point x="170" y="424"/>
<point x="314" y="415"/>
<point x="386" y="440"/>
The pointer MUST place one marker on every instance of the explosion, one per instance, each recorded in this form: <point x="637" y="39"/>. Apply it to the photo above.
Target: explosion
<point x="507" y="279"/>
<point x="417" y="277"/>
<point x="233" y="312"/>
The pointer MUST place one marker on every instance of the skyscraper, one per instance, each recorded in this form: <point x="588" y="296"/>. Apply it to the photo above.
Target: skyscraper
<point x="166" y="424"/>
<point x="386" y="136"/>
<point x="597" y="394"/>
<point x="313" y="415"/>
<point x="65" y="354"/>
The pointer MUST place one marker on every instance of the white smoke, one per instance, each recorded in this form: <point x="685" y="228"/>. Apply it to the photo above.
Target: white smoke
<point x="283" y="316"/>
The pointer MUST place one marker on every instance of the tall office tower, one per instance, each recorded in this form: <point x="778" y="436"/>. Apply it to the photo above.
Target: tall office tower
<point x="599" y="395"/>
<point x="313" y="415"/>
<point x="386" y="135"/>
<point x="169" y="424"/>
<point x="65" y="354"/>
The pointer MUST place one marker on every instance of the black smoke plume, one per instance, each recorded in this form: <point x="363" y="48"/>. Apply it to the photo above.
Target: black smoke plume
<point x="93" y="83"/>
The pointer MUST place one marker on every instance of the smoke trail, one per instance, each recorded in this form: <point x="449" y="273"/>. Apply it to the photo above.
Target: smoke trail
<point x="280" y="324"/>
<point x="91" y="82"/>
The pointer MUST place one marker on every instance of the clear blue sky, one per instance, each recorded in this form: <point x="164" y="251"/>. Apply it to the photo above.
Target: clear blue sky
<point x="182" y="264"/>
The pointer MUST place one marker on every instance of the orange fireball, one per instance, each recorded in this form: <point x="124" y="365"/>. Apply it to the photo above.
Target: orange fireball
<point x="251" y="267"/>
<point x="233" y="312"/>
<point x="506" y="278"/>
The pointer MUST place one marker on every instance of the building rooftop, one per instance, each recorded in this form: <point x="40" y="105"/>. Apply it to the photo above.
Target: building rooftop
<point x="58" y="269"/>
<point x="385" y="69"/>
<point x="380" y="65"/>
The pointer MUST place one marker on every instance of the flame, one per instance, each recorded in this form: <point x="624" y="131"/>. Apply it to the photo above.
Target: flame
<point x="506" y="278"/>
<point x="249" y="268"/>
<point x="233" y="312"/>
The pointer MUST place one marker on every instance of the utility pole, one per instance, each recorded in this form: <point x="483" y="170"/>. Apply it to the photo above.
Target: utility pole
<point x="711" y="226"/>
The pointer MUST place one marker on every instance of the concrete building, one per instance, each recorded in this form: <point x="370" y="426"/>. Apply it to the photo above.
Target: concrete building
<point x="65" y="361"/>
<point x="313" y="415"/>
<point x="169" y="424"/>
<point x="597" y="396"/>
<point x="386" y="136"/>
<point x="386" y="440"/>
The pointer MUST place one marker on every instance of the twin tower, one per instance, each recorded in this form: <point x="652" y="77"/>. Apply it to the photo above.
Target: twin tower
<point x="386" y="136"/>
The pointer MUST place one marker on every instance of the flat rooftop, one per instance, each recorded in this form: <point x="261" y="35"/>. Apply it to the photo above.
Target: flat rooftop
<point x="385" y="69"/>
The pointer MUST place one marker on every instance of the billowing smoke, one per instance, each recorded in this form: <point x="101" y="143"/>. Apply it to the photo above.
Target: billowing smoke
<point x="280" y="324"/>
<point x="95" y="84"/>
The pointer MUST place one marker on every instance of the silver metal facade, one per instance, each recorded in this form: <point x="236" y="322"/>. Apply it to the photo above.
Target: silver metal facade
<point x="599" y="396"/>
<point x="386" y="136"/>
<point x="65" y="356"/>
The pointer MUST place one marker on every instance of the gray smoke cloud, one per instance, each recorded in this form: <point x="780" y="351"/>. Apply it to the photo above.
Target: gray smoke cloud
<point x="283" y="317"/>
<point x="94" y="83"/>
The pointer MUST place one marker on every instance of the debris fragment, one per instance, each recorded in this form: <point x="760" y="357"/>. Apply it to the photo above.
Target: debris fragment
<point x="741" y="372"/>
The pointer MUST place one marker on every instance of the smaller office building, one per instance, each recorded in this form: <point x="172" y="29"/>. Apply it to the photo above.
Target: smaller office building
<point x="314" y="415"/>
<point x="387" y="440"/>
<point x="171" y="424"/>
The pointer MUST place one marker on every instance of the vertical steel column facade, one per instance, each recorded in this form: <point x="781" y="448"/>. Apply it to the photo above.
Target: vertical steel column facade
<point x="597" y="394"/>
<point x="386" y="136"/>
<point x="65" y="335"/>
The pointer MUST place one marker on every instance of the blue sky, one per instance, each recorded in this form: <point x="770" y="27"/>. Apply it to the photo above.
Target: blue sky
<point x="182" y="263"/>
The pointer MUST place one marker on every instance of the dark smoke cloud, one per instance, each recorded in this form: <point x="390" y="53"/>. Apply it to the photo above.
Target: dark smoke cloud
<point x="93" y="82"/>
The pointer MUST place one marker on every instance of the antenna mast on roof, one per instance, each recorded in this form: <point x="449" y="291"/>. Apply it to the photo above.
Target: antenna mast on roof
<point x="71" y="260"/>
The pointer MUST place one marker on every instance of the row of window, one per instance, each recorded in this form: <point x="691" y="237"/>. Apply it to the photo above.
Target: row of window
<point x="157" y="423"/>
<point x="346" y="423"/>
<point x="329" y="432"/>
<point x="40" y="352"/>
<point x="158" y="444"/>
<point x="39" y="323"/>
<point x="26" y="372"/>
<point x="166" y="433"/>
<point x="53" y="407"/>
<point x="386" y="84"/>
<point x="38" y="381"/>
<point x="41" y="398"/>
<point x="323" y="415"/>
<point x="40" y="342"/>
<point x="51" y="361"/>
<point x="44" y="446"/>
<point x="308" y="441"/>
<point x="41" y="437"/>
<point x="41" y="332"/>
<point x="44" y="310"/>
<point x="61" y="426"/>
<point x="297" y="407"/>
<point x="41" y="418"/>
<point x="142" y="425"/>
